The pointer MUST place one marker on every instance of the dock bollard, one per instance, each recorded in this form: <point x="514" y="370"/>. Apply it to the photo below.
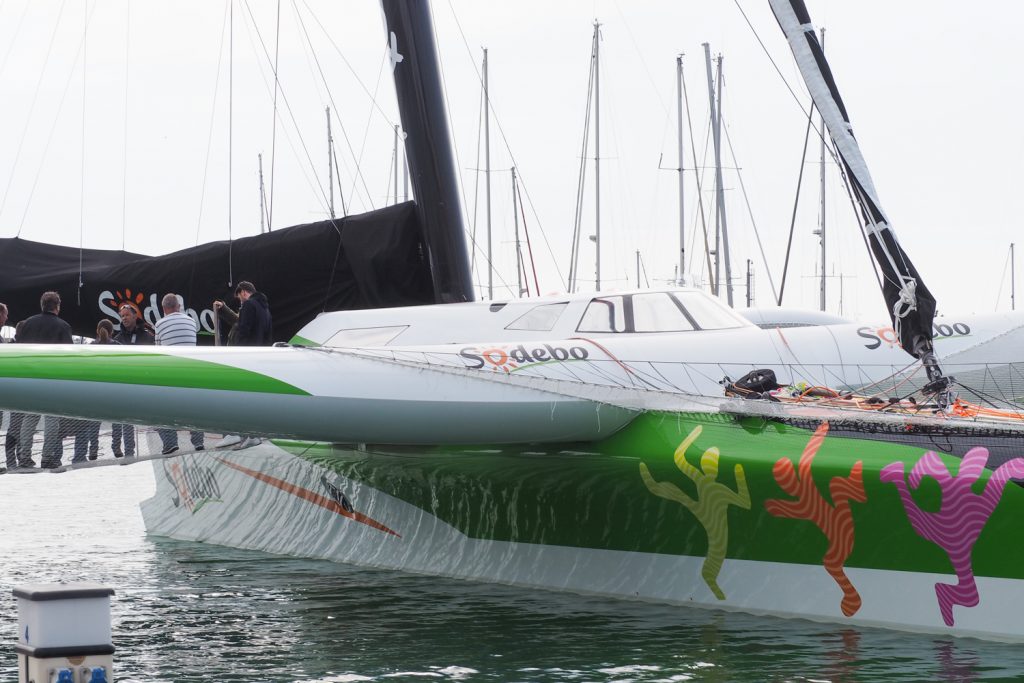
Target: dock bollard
<point x="64" y="633"/>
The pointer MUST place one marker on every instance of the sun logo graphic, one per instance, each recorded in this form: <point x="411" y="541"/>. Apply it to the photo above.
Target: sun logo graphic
<point x="119" y="299"/>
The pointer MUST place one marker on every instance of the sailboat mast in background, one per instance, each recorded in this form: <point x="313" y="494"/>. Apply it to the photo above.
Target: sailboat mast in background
<point x="821" y="223"/>
<point x="487" y="179"/>
<point x="679" y="128"/>
<point x="721" y="227"/>
<point x="597" y="156"/>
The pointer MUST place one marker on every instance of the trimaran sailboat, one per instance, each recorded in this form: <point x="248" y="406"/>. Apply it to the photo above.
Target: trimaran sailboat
<point x="554" y="451"/>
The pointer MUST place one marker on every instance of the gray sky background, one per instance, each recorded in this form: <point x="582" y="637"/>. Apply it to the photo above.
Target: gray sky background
<point x="934" y="93"/>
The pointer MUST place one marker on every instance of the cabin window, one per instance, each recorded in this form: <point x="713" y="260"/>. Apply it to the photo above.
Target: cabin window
<point x="366" y="336"/>
<point x="604" y="314"/>
<point x="708" y="313"/>
<point x="657" y="312"/>
<point x="539" y="318"/>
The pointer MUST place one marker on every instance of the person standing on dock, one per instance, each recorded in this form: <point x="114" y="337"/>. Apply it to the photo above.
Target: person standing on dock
<point x="45" y="327"/>
<point x="176" y="329"/>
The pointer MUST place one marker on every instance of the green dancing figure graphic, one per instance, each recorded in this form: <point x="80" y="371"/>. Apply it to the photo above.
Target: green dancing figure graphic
<point x="711" y="506"/>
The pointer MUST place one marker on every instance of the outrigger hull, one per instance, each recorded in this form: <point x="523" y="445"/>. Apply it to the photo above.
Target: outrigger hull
<point x="684" y="508"/>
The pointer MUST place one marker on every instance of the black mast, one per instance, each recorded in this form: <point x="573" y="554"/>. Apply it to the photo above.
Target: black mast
<point x="911" y="305"/>
<point x="428" y="145"/>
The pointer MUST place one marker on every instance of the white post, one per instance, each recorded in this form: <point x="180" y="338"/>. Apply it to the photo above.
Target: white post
<point x="64" y="633"/>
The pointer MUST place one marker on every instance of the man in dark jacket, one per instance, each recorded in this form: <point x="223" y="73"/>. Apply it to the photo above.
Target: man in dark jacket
<point x="133" y="332"/>
<point x="44" y="328"/>
<point x="255" y="326"/>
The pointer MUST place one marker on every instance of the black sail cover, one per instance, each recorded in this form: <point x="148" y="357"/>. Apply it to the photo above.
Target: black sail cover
<point x="369" y="260"/>
<point x="911" y="305"/>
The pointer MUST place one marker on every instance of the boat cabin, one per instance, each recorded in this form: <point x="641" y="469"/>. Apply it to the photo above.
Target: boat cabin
<point x="589" y="314"/>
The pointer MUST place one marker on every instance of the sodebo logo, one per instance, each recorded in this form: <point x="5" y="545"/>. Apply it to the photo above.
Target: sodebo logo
<point x="512" y="358"/>
<point x="887" y="335"/>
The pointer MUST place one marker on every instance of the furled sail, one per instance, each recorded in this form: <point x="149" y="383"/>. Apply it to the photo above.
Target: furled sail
<point x="911" y="305"/>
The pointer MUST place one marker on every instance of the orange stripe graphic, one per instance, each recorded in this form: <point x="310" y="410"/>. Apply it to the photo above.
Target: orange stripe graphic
<point x="306" y="494"/>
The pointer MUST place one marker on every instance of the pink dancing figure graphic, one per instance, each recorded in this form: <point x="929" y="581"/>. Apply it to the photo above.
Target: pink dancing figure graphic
<point x="955" y="527"/>
<point x="835" y="520"/>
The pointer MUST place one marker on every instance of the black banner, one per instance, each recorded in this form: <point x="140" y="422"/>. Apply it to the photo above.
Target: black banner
<point x="372" y="260"/>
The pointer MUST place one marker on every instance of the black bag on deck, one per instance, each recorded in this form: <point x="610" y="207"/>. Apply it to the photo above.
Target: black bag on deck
<point x="754" y="384"/>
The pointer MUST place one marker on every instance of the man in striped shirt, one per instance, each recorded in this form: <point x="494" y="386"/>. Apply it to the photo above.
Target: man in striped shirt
<point x="176" y="329"/>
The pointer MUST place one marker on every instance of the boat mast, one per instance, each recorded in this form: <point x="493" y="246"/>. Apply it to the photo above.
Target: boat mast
<point x="721" y="190"/>
<point x="721" y="228"/>
<point x="520" y="266"/>
<point x="911" y="305"/>
<point x="597" y="156"/>
<point x="487" y="179"/>
<point x="821" y="228"/>
<point x="682" y="215"/>
<point x="1013" y="281"/>
<point x="428" y="146"/>
<point x="330" y="163"/>
<point x="718" y="234"/>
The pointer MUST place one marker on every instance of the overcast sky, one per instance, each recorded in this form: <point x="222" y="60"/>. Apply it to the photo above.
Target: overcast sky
<point x="933" y="91"/>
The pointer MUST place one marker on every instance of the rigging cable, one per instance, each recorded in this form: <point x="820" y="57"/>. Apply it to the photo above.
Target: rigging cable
<point x="796" y="203"/>
<point x="31" y="116"/>
<point x="1002" y="281"/>
<point x="699" y="178"/>
<point x="14" y="38"/>
<point x="81" y="186"/>
<point x="231" y="134"/>
<point x="750" y="212"/>
<point x="529" y="247"/>
<point x="508" y="149"/>
<point x="581" y="177"/>
<point x="213" y="112"/>
<point x="124" y="143"/>
<point x="481" y="108"/>
<point x="358" y="176"/>
<point x="322" y="198"/>
<point x="273" y="135"/>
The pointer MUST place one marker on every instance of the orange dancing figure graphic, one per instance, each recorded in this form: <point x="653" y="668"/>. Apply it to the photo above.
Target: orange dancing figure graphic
<point x="711" y="506"/>
<point x="835" y="521"/>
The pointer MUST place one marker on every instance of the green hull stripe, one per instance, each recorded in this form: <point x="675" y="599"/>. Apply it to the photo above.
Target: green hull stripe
<point x="155" y="369"/>
<point x="598" y="496"/>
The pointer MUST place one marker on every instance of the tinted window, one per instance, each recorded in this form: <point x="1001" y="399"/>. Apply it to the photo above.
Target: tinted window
<point x="708" y="313"/>
<point x="657" y="312"/>
<point x="605" y="314"/>
<point x="539" y="318"/>
<point x="366" y="336"/>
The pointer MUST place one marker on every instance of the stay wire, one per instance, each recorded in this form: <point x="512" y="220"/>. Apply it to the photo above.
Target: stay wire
<point x="322" y="198"/>
<point x="796" y="203"/>
<point x="32" y="109"/>
<point x="213" y="113"/>
<point x="334" y="107"/>
<point x="750" y="212"/>
<point x="49" y="139"/>
<point x="124" y="142"/>
<point x="81" y="187"/>
<point x="698" y="176"/>
<point x="273" y="134"/>
<point x="508" y="149"/>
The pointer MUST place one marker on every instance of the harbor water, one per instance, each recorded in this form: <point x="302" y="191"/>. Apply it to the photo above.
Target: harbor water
<point x="195" y="612"/>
